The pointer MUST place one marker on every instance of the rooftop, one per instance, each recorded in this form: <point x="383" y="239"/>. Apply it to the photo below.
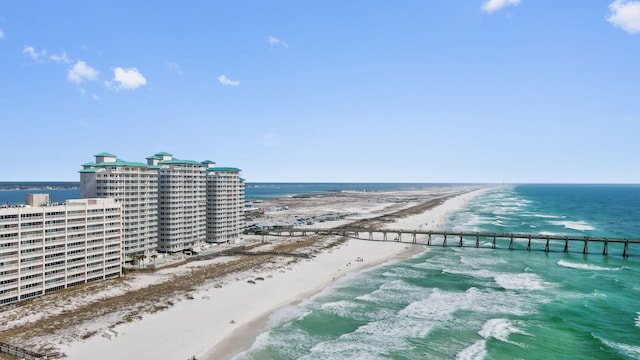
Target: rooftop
<point x="105" y="154"/>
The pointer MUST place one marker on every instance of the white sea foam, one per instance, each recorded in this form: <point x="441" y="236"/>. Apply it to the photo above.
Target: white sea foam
<point x="623" y="349"/>
<point x="343" y="308"/>
<point x="483" y="274"/>
<point x="288" y="345"/>
<point x="388" y="293"/>
<point x="638" y="319"/>
<point x="403" y="273"/>
<point x="491" y="301"/>
<point x="572" y="265"/>
<point x="358" y="345"/>
<point x="498" y="223"/>
<point x="574" y="225"/>
<point x="500" y="329"/>
<point x="375" y="339"/>
<point x="477" y="351"/>
<point x="544" y="216"/>
<point x="524" y="281"/>
<point x="481" y="260"/>
<point x="286" y="314"/>
<point x="475" y="220"/>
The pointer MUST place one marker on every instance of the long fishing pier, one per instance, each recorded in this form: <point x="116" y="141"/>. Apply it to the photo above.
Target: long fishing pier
<point x="428" y="237"/>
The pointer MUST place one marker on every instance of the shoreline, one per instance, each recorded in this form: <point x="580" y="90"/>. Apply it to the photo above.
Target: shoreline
<point x="241" y="339"/>
<point x="223" y="315"/>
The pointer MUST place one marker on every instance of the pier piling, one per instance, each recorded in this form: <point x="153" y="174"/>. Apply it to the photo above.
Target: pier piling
<point x="585" y="250"/>
<point x="355" y="231"/>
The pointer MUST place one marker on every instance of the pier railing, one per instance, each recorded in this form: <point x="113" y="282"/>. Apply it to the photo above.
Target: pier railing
<point x="446" y="238"/>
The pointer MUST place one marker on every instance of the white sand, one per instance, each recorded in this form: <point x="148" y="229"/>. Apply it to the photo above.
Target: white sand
<point x="202" y="326"/>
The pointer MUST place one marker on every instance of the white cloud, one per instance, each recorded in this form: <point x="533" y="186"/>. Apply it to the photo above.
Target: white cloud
<point x="495" y="5"/>
<point x="33" y="53"/>
<point x="62" y="58"/>
<point x="274" y="42"/>
<point x="175" y="67"/>
<point x="81" y="72"/>
<point x="270" y="140"/>
<point x="625" y="15"/>
<point x="128" y="79"/>
<point x="227" y="82"/>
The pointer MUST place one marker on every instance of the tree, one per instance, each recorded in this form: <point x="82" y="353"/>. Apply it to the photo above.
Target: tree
<point x="141" y="258"/>
<point x="154" y="257"/>
<point x="133" y="257"/>
<point x="264" y="233"/>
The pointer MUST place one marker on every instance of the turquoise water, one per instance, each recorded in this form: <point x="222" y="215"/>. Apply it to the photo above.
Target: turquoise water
<point x="467" y="303"/>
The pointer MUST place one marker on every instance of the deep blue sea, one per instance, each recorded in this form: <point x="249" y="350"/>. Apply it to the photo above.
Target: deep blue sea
<point x="14" y="192"/>
<point x="468" y="303"/>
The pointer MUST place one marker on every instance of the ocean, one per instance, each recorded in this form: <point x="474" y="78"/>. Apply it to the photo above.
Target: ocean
<point x="14" y="192"/>
<point x="468" y="303"/>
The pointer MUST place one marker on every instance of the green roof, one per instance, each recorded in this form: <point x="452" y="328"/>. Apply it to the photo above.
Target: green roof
<point x="120" y="162"/>
<point x="163" y="154"/>
<point x="105" y="154"/>
<point x="178" y="161"/>
<point x="208" y="162"/>
<point x="224" y="169"/>
<point x="91" y="170"/>
<point x="153" y="157"/>
<point x="89" y="164"/>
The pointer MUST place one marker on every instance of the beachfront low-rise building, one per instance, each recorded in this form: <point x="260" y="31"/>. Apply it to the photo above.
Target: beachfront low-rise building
<point x="45" y="247"/>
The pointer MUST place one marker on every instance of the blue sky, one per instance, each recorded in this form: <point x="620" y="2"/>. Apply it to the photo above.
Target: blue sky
<point x="326" y="91"/>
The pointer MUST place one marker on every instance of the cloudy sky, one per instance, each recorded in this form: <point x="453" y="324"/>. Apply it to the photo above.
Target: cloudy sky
<point x="326" y="91"/>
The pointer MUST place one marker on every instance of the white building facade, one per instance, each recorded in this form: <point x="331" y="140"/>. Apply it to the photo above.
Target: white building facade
<point x="46" y="248"/>
<point x="135" y="186"/>
<point x="225" y="204"/>
<point x="182" y="203"/>
<point x="169" y="205"/>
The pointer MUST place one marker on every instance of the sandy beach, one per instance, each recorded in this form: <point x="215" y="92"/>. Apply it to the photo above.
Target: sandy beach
<point x="220" y="316"/>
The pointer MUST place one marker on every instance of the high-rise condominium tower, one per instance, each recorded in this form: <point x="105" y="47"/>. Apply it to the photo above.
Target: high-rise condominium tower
<point x="135" y="186"/>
